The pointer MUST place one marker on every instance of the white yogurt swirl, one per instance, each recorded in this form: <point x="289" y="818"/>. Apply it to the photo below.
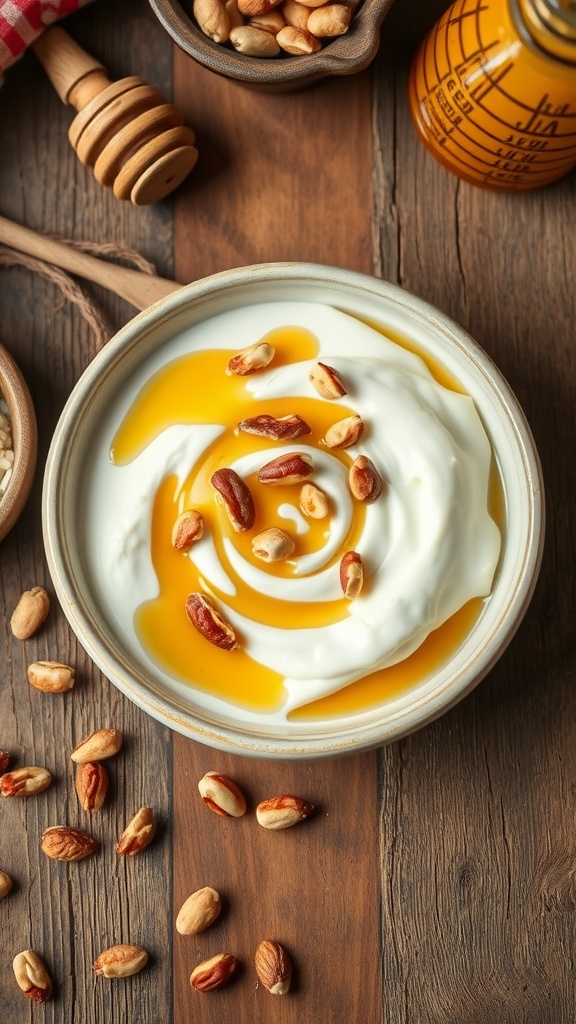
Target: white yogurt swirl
<point x="429" y="544"/>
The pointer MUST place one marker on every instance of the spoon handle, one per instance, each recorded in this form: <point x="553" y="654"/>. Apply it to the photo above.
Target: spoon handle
<point x="139" y="289"/>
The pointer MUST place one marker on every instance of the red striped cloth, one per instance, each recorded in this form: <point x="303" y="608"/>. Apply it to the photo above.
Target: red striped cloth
<point x="22" y="21"/>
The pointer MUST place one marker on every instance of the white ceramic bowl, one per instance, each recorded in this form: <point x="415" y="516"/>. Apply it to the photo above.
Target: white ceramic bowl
<point x="371" y="300"/>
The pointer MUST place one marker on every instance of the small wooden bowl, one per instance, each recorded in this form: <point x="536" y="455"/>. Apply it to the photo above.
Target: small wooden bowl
<point x="344" y="55"/>
<point x="15" y="393"/>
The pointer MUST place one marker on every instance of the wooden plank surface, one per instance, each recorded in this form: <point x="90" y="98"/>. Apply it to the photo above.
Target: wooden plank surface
<point x="436" y="883"/>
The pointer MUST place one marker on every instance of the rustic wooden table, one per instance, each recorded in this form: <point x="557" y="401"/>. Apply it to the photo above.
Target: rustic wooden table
<point x="437" y="884"/>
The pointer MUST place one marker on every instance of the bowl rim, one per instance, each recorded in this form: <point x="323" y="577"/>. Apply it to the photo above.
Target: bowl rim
<point x="332" y="59"/>
<point x="221" y="736"/>
<point x="14" y="391"/>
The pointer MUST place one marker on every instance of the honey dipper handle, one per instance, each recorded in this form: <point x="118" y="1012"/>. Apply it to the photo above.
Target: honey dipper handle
<point x="75" y="75"/>
<point x="139" y="289"/>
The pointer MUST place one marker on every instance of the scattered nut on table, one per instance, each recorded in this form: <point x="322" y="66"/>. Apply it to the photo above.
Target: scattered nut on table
<point x="199" y="911"/>
<point x="283" y="811"/>
<point x="214" y="973"/>
<point x="91" y="785"/>
<point x="30" y="612"/>
<point x="62" y="842"/>
<point x="51" y="676"/>
<point x="25" y="781"/>
<point x="273" y="967"/>
<point x="222" y="795"/>
<point x="5" y="884"/>
<point x="97" y="746"/>
<point x="138" y="834"/>
<point x="32" y="977"/>
<point x="120" y="961"/>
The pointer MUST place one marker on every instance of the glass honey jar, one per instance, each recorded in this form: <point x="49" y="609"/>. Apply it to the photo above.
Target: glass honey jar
<point x="492" y="91"/>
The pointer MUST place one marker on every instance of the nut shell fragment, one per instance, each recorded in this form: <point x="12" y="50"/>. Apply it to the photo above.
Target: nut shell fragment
<point x="97" y="746"/>
<point x="199" y="911"/>
<point x="214" y="973"/>
<point x="121" y="961"/>
<point x="51" y="676"/>
<point x="283" y="811"/>
<point x="32" y="977"/>
<point x="208" y="621"/>
<point x="61" y="842"/>
<point x="30" y="612"/>
<point x="273" y="967"/>
<point x="222" y="795"/>
<point x="138" y="834"/>
<point x="25" y="781"/>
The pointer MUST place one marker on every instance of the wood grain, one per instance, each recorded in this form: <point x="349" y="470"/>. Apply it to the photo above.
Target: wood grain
<point x="280" y="178"/>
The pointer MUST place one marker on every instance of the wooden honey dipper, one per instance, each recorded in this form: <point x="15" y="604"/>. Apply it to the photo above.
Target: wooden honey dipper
<point x="134" y="140"/>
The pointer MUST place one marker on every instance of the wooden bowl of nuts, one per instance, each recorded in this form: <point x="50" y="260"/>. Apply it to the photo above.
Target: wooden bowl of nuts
<point x="18" y="442"/>
<point x="293" y="511"/>
<point x="277" y="45"/>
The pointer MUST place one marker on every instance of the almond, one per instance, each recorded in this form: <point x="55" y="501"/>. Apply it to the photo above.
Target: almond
<point x="61" y="842"/>
<point x="5" y="884"/>
<point x="97" y="746"/>
<point x="120" y="961"/>
<point x="188" y="528"/>
<point x="214" y="973"/>
<point x="30" y="613"/>
<point x="222" y="795"/>
<point x="314" y="502"/>
<point x="273" y="967"/>
<point x="364" y="480"/>
<point x="325" y="379"/>
<point x="282" y="812"/>
<point x="292" y="468"/>
<point x="351" y="575"/>
<point x="199" y="911"/>
<point x="51" y="676"/>
<point x="91" y="785"/>
<point x="32" y="976"/>
<point x="208" y="621"/>
<point x="344" y="433"/>
<point x="234" y="495"/>
<point x="25" y="781"/>
<point x="138" y="833"/>
<point x="286" y="428"/>
<point x="254" y="357"/>
<point x="273" y="545"/>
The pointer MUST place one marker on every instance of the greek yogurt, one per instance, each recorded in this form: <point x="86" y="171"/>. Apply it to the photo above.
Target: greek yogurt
<point x="428" y="543"/>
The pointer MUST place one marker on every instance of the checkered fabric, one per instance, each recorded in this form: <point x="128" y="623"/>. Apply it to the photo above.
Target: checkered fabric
<point x="22" y="21"/>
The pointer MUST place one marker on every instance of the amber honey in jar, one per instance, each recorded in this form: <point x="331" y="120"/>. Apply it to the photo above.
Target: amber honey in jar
<point x="492" y="91"/>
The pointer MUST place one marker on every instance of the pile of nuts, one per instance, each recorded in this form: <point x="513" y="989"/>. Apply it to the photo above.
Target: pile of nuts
<point x="6" y="447"/>
<point x="294" y="468"/>
<point x="268" y="28"/>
